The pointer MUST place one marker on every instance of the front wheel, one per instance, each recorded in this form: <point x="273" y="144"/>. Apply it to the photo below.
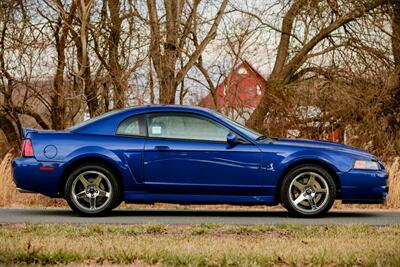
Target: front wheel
<point x="92" y="190"/>
<point x="308" y="191"/>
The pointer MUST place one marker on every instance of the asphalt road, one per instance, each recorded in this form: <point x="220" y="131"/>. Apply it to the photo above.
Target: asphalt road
<point x="125" y="216"/>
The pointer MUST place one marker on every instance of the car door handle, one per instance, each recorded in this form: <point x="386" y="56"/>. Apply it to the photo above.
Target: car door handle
<point x="161" y="148"/>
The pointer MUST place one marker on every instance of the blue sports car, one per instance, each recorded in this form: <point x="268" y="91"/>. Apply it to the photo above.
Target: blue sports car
<point x="191" y="155"/>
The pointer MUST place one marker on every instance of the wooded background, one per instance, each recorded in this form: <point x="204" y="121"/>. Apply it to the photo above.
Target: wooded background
<point x="62" y="61"/>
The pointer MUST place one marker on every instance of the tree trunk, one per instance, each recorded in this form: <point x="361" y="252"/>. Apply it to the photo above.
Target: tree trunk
<point x="167" y="88"/>
<point x="12" y="136"/>
<point x="167" y="81"/>
<point x="257" y="118"/>
<point x="277" y="78"/>
<point x="57" y="100"/>
<point x="151" y="83"/>
<point x="396" y="46"/>
<point x="58" y="108"/>
<point x="116" y="71"/>
<point x="84" y="73"/>
<point x="392" y="107"/>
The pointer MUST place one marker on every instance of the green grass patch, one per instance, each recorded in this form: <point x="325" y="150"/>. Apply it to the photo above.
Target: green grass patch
<point x="200" y="245"/>
<point x="203" y="228"/>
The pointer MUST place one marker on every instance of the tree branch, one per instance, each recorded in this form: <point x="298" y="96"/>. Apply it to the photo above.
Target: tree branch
<point x="300" y="57"/>
<point x="199" y="50"/>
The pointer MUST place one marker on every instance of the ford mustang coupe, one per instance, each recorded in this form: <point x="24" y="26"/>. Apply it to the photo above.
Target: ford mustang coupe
<point x="191" y="155"/>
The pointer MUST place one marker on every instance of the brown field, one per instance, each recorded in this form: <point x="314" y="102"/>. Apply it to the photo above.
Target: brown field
<point x="200" y="245"/>
<point x="9" y="197"/>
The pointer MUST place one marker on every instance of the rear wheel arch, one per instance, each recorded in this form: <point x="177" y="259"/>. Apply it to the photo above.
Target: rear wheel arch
<point x="312" y="162"/>
<point x="92" y="160"/>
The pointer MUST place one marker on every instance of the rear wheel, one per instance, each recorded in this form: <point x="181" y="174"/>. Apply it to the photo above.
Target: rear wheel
<point x="308" y="191"/>
<point x="92" y="190"/>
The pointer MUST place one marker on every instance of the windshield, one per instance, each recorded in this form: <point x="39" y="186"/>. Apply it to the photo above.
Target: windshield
<point x="252" y="134"/>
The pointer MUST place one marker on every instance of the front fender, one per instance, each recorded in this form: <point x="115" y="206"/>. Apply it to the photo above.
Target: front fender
<point x="313" y="156"/>
<point x="279" y="162"/>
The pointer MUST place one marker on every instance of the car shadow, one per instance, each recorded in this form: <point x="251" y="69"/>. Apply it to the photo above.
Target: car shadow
<point x="231" y="213"/>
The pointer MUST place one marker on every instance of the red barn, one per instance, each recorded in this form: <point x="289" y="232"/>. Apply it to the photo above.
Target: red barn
<point x="238" y="94"/>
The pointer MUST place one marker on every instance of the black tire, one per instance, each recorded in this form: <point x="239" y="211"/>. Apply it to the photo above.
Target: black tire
<point x="108" y="182"/>
<point x="116" y="204"/>
<point x="299" y="190"/>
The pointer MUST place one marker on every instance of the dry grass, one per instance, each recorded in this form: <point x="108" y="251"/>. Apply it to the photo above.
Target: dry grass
<point x="201" y="245"/>
<point x="394" y="184"/>
<point x="9" y="197"/>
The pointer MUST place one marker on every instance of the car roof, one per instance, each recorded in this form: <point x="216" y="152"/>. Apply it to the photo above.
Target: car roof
<point x="165" y="107"/>
<point x="158" y="108"/>
<point x="107" y="123"/>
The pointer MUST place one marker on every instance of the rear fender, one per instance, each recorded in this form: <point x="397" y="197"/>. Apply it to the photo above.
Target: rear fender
<point x="93" y="152"/>
<point x="90" y="151"/>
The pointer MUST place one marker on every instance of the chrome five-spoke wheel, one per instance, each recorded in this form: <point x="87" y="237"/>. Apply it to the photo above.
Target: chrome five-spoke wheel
<point x="92" y="190"/>
<point x="308" y="191"/>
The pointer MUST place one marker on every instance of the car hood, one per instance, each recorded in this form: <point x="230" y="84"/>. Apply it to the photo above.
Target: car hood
<point x="317" y="144"/>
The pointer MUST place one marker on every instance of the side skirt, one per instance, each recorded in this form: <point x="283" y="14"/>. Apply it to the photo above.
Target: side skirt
<point x="142" y="198"/>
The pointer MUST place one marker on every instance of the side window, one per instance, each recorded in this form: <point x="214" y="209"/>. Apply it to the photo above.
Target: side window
<point x="132" y="126"/>
<point x="186" y="126"/>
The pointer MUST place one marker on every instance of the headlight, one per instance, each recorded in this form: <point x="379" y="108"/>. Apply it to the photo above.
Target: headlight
<point x="366" y="165"/>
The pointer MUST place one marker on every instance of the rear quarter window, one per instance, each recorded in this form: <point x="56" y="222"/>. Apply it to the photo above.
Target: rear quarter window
<point x="132" y="126"/>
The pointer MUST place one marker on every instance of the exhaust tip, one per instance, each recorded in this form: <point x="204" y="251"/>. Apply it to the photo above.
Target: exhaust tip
<point x="24" y="190"/>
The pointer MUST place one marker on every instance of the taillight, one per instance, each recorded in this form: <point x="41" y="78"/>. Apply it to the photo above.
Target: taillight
<point x="27" y="149"/>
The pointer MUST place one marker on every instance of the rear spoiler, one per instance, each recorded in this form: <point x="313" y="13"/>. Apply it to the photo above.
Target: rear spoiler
<point x="26" y="131"/>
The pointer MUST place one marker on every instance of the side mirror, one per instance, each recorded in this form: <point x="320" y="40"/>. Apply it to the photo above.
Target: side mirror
<point x="232" y="139"/>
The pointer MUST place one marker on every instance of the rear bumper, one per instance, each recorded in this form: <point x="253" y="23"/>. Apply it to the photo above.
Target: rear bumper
<point x="364" y="187"/>
<point x="29" y="177"/>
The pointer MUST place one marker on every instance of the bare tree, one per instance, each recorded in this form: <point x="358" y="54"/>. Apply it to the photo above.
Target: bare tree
<point x="16" y="94"/>
<point x="393" y="82"/>
<point x="7" y="116"/>
<point x="61" y="30"/>
<point x="169" y="37"/>
<point x="81" y="39"/>
<point x="288" y="62"/>
<point x="118" y="45"/>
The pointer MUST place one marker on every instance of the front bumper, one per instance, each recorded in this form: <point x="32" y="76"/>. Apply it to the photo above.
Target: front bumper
<point x="364" y="186"/>
<point x="28" y="176"/>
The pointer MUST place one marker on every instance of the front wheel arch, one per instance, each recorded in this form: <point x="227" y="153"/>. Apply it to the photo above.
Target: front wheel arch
<point x="317" y="163"/>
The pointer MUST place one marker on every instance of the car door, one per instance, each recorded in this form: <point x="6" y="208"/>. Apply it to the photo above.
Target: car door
<point x="131" y="135"/>
<point x="187" y="153"/>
